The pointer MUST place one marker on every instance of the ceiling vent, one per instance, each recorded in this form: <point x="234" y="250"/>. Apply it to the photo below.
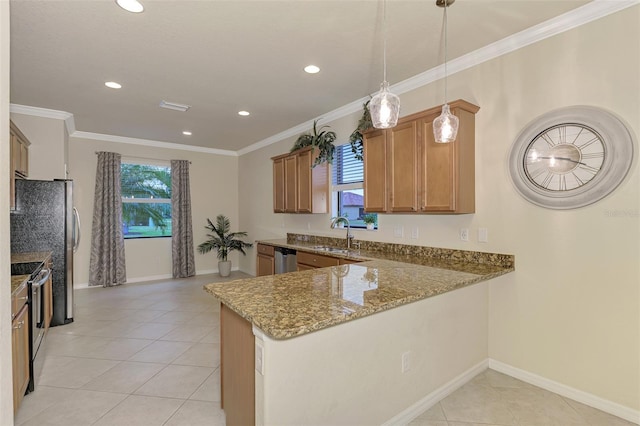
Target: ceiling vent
<point x="174" y="106"/>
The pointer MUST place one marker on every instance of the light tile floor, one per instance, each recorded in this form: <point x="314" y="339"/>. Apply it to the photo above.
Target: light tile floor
<point x="149" y="354"/>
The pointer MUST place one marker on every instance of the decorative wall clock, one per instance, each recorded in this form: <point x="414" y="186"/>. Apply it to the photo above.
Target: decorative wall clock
<point x="571" y="157"/>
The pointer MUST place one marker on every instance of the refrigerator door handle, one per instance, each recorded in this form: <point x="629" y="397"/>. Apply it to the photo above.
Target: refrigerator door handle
<point x="76" y="230"/>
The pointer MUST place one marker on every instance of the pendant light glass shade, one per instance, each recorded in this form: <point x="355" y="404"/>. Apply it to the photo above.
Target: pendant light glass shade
<point x="445" y="127"/>
<point x="384" y="108"/>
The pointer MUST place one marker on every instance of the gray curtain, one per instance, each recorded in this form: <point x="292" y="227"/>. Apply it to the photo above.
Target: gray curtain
<point x="181" y="228"/>
<point x="107" y="264"/>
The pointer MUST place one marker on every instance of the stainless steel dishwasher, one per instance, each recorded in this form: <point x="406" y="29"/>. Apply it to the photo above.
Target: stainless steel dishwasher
<point x="285" y="260"/>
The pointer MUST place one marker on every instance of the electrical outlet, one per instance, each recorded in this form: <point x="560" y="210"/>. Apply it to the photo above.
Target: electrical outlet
<point x="414" y="233"/>
<point x="308" y="225"/>
<point x="406" y="361"/>
<point x="464" y="234"/>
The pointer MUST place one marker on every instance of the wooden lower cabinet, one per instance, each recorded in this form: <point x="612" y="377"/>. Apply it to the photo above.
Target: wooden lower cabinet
<point x="47" y="310"/>
<point x="237" y="368"/>
<point x="311" y="260"/>
<point x="20" y="342"/>
<point x="265" y="261"/>
<point x="348" y="261"/>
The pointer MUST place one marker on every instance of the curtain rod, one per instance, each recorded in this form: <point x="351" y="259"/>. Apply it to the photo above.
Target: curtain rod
<point x="143" y="158"/>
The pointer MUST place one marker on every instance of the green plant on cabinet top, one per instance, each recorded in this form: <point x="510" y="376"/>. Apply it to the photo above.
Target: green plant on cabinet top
<point x="322" y="140"/>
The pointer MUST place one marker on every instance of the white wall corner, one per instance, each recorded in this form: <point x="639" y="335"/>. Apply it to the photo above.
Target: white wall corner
<point x="437" y="395"/>
<point x="586" y="398"/>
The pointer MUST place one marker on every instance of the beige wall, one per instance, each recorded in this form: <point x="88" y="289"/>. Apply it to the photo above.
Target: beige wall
<point x="445" y="336"/>
<point x="214" y="190"/>
<point x="570" y="312"/>
<point x="48" y="149"/>
<point x="6" y="388"/>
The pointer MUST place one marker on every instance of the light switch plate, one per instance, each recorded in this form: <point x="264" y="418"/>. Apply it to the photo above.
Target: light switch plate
<point x="414" y="233"/>
<point x="483" y="235"/>
<point x="398" y="232"/>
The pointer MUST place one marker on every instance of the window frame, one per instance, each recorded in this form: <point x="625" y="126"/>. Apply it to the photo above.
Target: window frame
<point x="150" y="200"/>
<point x="338" y="188"/>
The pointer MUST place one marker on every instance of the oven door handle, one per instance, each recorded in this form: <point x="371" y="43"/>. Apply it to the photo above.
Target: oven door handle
<point x="42" y="278"/>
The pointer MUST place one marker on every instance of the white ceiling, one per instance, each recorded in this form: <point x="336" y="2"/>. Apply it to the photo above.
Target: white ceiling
<point x="224" y="56"/>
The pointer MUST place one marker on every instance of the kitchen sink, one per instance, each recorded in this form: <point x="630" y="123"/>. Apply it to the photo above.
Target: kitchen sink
<point x="331" y="249"/>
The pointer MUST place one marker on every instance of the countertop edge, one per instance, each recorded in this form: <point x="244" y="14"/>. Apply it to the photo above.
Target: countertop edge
<point x="287" y="333"/>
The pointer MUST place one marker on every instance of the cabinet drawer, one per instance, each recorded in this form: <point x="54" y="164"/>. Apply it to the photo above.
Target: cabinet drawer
<point x="266" y="250"/>
<point x="19" y="298"/>
<point x="316" y="260"/>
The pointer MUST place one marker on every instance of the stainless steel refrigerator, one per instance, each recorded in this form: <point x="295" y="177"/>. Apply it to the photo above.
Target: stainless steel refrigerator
<point x="45" y="220"/>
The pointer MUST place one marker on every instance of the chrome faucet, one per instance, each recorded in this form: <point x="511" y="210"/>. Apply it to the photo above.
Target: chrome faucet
<point x="334" y="223"/>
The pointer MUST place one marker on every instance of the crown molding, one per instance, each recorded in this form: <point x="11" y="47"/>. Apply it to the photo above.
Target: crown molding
<point x="304" y="127"/>
<point x="148" y="142"/>
<point x="580" y="16"/>
<point x="583" y="15"/>
<point x="45" y="113"/>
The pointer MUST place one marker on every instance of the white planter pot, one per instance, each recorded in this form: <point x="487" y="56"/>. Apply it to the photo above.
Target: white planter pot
<point x="224" y="268"/>
<point x="371" y="226"/>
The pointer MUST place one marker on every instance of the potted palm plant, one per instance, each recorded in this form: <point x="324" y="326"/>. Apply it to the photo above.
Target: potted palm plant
<point x="224" y="242"/>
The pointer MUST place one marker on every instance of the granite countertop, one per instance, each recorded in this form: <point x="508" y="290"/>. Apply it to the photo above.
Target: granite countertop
<point x="289" y="305"/>
<point x="455" y="260"/>
<point x="30" y="257"/>
<point x="17" y="281"/>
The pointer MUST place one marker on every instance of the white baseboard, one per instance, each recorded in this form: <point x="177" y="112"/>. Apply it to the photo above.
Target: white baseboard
<point x="448" y="388"/>
<point x="77" y="286"/>
<point x="434" y="397"/>
<point x="591" y="400"/>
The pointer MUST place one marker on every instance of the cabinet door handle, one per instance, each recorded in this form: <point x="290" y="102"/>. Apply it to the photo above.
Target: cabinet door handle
<point x="19" y="325"/>
<point x="23" y="298"/>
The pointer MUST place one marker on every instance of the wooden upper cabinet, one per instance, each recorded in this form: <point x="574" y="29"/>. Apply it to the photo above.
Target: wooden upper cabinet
<point x="278" y="185"/>
<point x="402" y="142"/>
<point x="19" y="159"/>
<point x="19" y="151"/>
<point x="447" y="171"/>
<point x="290" y="184"/>
<point x="405" y="170"/>
<point x="299" y="187"/>
<point x="375" y="171"/>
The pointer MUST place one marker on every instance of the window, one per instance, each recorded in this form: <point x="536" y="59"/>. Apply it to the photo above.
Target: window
<point x="146" y="200"/>
<point x="347" y="190"/>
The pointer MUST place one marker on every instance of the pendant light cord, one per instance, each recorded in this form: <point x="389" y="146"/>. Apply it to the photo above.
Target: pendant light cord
<point x="384" y="40"/>
<point x="446" y="6"/>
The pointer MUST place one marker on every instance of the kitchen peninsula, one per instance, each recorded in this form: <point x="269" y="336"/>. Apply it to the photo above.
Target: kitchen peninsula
<point x="355" y="343"/>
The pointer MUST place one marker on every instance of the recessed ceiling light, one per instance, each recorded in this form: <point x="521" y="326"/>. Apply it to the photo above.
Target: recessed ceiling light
<point x="243" y="113"/>
<point x="131" y="5"/>
<point x="113" y="85"/>
<point x="311" y="69"/>
<point x="186" y="133"/>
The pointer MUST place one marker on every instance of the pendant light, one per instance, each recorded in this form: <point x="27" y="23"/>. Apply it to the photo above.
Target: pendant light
<point x="445" y="127"/>
<point x="384" y="106"/>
